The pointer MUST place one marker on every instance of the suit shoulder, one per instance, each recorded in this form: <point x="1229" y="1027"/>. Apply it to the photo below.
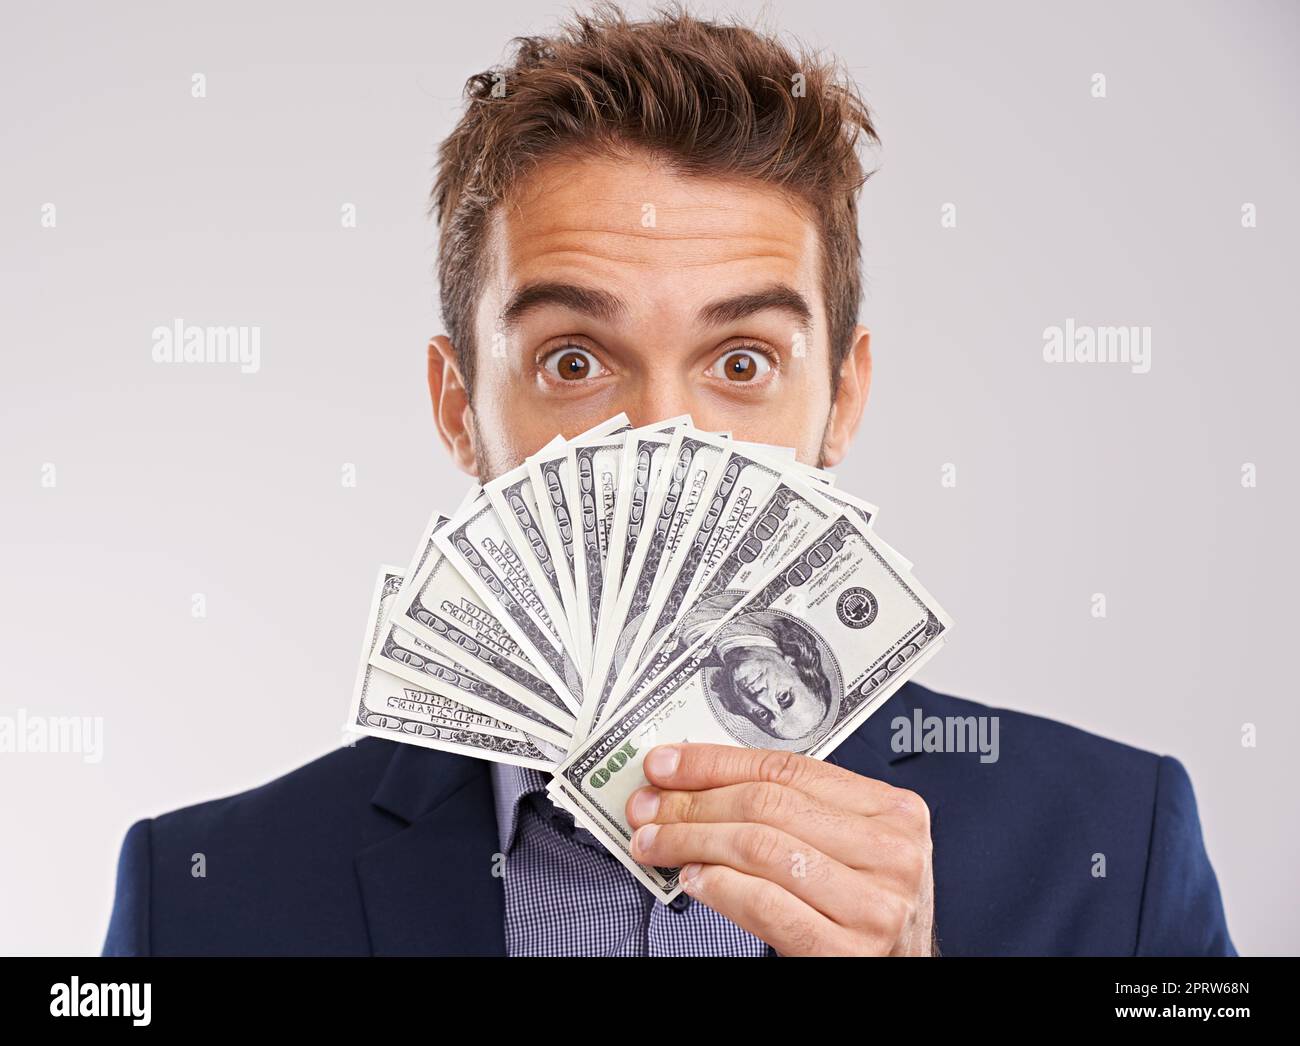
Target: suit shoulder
<point x="313" y="808"/>
<point x="330" y="780"/>
<point x="1074" y="842"/>
<point x="245" y="873"/>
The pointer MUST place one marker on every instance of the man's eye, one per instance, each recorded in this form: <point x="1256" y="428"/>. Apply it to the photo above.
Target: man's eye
<point x="741" y="365"/>
<point x="573" y="364"/>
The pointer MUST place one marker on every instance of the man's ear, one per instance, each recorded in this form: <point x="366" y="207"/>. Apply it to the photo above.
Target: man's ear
<point x="850" y="399"/>
<point x="451" y="410"/>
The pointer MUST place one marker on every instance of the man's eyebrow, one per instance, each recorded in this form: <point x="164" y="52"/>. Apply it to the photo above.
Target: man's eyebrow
<point x="602" y="305"/>
<point x="775" y="296"/>
<point x="598" y="304"/>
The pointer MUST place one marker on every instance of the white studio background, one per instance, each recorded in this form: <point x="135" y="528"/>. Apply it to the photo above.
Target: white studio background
<point x="172" y="482"/>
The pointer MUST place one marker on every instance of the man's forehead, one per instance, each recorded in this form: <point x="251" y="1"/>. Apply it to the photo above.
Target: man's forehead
<point x="636" y="223"/>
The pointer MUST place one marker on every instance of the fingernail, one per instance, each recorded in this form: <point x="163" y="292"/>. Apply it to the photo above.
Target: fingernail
<point x="645" y="838"/>
<point x="687" y="876"/>
<point x="645" y="805"/>
<point x="662" y="762"/>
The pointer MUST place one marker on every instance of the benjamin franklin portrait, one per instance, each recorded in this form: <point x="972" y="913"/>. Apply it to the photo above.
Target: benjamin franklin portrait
<point x="770" y="679"/>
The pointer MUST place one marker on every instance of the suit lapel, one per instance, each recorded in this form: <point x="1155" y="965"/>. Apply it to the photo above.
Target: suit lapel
<point x="429" y="889"/>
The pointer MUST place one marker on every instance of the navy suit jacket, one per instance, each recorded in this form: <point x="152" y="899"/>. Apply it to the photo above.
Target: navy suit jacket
<point x="387" y="849"/>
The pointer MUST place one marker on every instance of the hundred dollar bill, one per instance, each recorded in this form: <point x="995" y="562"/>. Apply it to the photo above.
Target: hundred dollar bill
<point x="555" y="513"/>
<point x="689" y="467"/>
<point x="787" y="457"/>
<point x="439" y="607"/>
<point x="796" y="665"/>
<point x="743" y="484"/>
<point x="696" y="509"/>
<point x="402" y="654"/>
<point x="641" y="458"/>
<point x="433" y="651"/>
<point x="643" y="453"/>
<point x="868" y="513"/>
<point x="477" y="546"/>
<point x="512" y="499"/>
<point x="734" y="547"/>
<point x="642" y="497"/>
<point x="607" y="492"/>
<point x="593" y="467"/>
<point x="789" y="517"/>
<point x="791" y="509"/>
<point x="386" y="706"/>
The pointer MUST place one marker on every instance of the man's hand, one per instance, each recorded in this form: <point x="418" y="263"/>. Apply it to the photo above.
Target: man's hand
<point x="810" y="857"/>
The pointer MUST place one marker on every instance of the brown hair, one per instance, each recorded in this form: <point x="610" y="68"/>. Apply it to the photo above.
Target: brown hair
<point x="710" y="99"/>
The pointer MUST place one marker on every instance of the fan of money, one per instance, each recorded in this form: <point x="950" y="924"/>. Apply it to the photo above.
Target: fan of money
<point x="635" y="586"/>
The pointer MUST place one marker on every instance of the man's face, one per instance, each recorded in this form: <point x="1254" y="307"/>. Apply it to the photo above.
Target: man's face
<point x="770" y="693"/>
<point x="615" y="285"/>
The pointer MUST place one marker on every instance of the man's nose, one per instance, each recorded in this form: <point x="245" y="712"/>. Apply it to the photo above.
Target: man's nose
<point x="659" y="396"/>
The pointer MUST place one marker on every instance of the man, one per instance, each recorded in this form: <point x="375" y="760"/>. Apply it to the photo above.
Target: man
<point x="660" y="218"/>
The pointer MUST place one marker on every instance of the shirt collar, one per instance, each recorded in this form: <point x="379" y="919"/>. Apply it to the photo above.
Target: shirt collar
<point x="510" y="784"/>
